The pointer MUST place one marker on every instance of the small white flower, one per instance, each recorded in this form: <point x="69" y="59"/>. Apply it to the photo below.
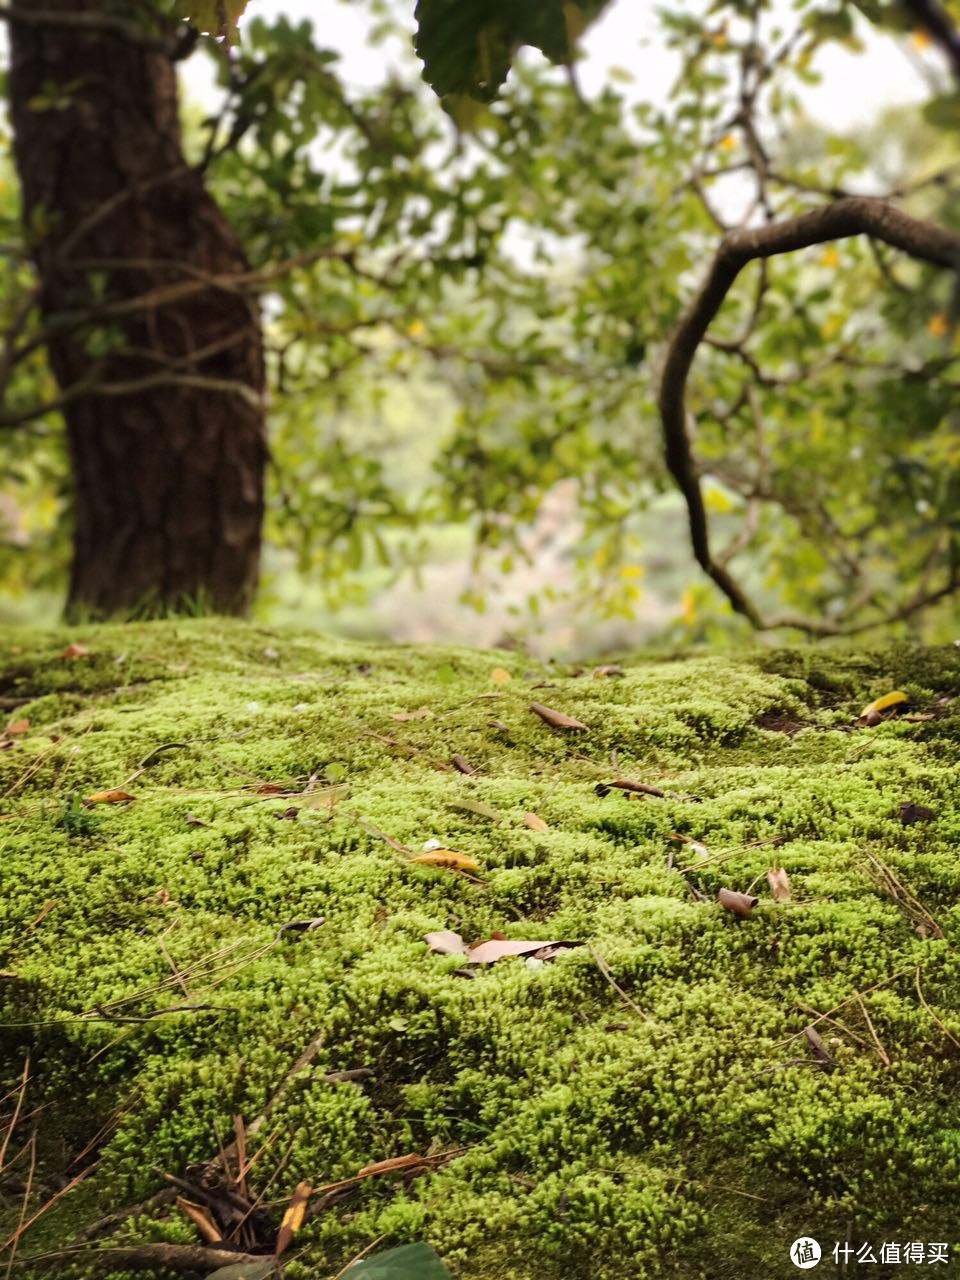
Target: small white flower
<point x="429" y="845"/>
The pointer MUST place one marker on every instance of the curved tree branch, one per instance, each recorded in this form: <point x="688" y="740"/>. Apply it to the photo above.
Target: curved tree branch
<point x="852" y="216"/>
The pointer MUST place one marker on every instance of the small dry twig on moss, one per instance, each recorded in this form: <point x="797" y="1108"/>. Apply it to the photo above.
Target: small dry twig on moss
<point x="882" y="1053"/>
<point x="608" y="974"/>
<point x="946" y="1031"/>
<point x="904" y="897"/>
<point x="843" y="1003"/>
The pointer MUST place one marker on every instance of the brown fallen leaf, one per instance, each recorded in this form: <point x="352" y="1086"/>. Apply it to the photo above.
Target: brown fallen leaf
<point x="611" y="669"/>
<point x="741" y="904"/>
<point x="498" y="948"/>
<point x="500" y="675"/>
<point x="498" y="724"/>
<point x="8" y="974"/>
<point x="271" y="789"/>
<point x="17" y="727"/>
<point x="919" y="716"/>
<point x="779" y="883"/>
<point x="445" y="943"/>
<point x="911" y="813"/>
<point x="556" y="719"/>
<point x="75" y="651"/>
<point x="196" y="822"/>
<point x="291" y="814"/>
<point x="201" y="1219"/>
<point x="422" y="714"/>
<point x="447" y="858"/>
<point x="115" y="795"/>
<point x="461" y="764"/>
<point x="819" y="1049"/>
<point x="535" y="822"/>
<point x="293" y="1217"/>
<point x="642" y="788"/>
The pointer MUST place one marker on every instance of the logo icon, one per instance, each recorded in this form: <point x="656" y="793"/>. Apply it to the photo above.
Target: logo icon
<point x="805" y="1253"/>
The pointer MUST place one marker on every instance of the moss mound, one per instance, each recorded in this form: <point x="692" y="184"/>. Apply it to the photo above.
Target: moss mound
<point x="644" y="1104"/>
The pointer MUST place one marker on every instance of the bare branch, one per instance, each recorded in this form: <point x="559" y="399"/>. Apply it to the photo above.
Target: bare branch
<point x="858" y="215"/>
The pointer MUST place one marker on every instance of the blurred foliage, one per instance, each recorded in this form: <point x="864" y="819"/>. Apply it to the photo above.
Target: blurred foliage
<point x="467" y="309"/>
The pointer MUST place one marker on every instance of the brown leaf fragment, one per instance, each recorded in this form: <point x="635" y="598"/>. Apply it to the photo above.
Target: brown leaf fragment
<point x="271" y="789"/>
<point x="477" y="807"/>
<point x="75" y="651"/>
<point x="17" y="727"/>
<point x="8" y="974"/>
<point x="201" y="1219"/>
<point x="741" y="904"/>
<point x="919" y="716"/>
<point x="421" y="714"/>
<point x="445" y="943"/>
<point x="535" y="822"/>
<point x="196" y="822"/>
<point x="291" y="814"/>
<point x="113" y="796"/>
<point x="779" y="883"/>
<point x="498" y="948"/>
<point x="293" y="1217"/>
<point x="461" y="764"/>
<point x="6" y="744"/>
<point x="911" y="813"/>
<point x="611" y="669"/>
<point x="642" y="788"/>
<point x="556" y="719"/>
<point x="498" y="724"/>
<point x="819" y="1049"/>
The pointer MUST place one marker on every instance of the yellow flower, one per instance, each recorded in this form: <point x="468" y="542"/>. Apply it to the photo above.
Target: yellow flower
<point x="830" y="257"/>
<point x="416" y="329"/>
<point x="728" y="142"/>
<point x="938" y="326"/>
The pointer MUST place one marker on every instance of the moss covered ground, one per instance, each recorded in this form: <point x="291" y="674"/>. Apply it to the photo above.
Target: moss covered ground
<point x="642" y="1105"/>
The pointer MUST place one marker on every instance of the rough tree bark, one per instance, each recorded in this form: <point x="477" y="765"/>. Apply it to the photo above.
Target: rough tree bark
<point x="168" y="446"/>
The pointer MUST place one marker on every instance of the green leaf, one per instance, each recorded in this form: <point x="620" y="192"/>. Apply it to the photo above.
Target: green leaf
<point x="467" y="46"/>
<point x="408" y="1262"/>
<point x="245" y="1271"/>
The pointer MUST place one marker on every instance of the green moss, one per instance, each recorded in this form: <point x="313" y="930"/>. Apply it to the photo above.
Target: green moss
<point x="696" y="1140"/>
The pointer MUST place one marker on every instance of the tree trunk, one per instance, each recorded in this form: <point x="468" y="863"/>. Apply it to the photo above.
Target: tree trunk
<point x="168" y="474"/>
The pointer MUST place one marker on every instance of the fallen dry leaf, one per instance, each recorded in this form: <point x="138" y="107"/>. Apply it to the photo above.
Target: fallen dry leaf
<point x="498" y="724"/>
<point x="611" y="669"/>
<point x="779" y="883"/>
<point x="475" y="806"/>
<point x="888" y="703"/>
<point x="818" y="1048"/>
<point x="290" y="814"/>
<point x="196" y="822"/>
<point x="201" y="1219"/>
<point x="75" y="651"/>
<point x="17" y="727"/>
<point x="741" y="904"/>
<point x="911" y="813"/>
<point x="461" y="764"/>
<point x="920" y="716"/>
<point x="448" y="858"/>
<point x="497" y="948"/>
<point x="422" y="714"/>
<point x="293" y="1217"/>
<point x="556" y="719"/>
<point x="271" y="789"/>
<point x="534" y="822"/>
<point x="642" y="788"/>
<point x="500" y="675"/>
<point x="446" y="943"/>
<point x="112" y="796"/>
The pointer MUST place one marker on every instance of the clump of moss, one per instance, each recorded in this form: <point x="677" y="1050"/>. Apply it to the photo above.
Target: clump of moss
<point x="644" y="1104"/>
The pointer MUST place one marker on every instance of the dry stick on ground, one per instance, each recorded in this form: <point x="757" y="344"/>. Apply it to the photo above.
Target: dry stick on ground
<point x="881" y="1052"/>
<point x="857" y="995"/>
<point x="902" y="896"/>
<point x="852" y="216"/>
<point x="949" y="1034"/>
<point x="608" y="974"/>
<point x="176" y="1257"/>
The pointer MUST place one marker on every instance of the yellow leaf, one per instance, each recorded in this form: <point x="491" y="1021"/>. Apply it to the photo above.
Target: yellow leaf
<point x="534" y="822"/>
<point x="938" y="326"/>
<point x="113" y="796"/>
<point x="448" y="858"/>
<point x="830" y="257"/>
<point x="894" y="699"/>
<point x="500" y="675"/>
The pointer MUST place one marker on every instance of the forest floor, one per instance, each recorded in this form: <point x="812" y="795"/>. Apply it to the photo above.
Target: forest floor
<point x="645" y="1103"/>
